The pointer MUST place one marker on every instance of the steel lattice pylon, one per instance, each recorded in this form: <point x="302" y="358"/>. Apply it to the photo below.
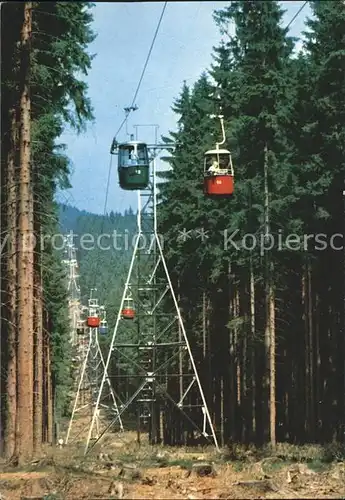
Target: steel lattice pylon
<point x="71" y="264"/>
<point x="160" y="374"/>
<point x="91" y="370"/>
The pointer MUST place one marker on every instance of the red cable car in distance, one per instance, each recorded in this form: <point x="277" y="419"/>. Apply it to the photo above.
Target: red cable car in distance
<point x="218" y="170"/>
<point x="93" y="321"/>
<point x="128" y="311"/>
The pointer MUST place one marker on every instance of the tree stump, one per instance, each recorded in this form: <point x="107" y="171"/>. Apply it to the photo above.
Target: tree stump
<point x="204" y="469"/>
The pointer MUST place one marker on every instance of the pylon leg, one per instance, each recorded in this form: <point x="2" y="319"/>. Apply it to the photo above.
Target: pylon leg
<point x="89" y="381"/>
<point x="159" y="345"/>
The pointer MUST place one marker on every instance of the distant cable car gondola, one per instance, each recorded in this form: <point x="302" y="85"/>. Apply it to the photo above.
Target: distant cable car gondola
<point x="218" y="171"/>
<point x="133" y="165"/>
<point x="81" y="330"/>
<point x="103" y="328"/>
<point x="128" y="311"/>
<point x="93" y="321"/>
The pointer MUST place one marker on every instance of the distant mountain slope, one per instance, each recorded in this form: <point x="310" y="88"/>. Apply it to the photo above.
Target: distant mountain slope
<point x="104" y="249"/>
<point x="68" y="217"/>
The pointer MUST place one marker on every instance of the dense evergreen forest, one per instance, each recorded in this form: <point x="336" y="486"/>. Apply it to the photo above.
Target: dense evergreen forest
<point x="44" y="57"/>
<point x="260" y="277"/>
<point x="273" y="319"/>
<point x="105" y="270"/>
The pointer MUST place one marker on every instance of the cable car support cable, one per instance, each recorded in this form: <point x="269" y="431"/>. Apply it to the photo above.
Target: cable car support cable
<point x="132" y="107"/>
<point x="86" y="358"/>
<point x="296" y="15"/>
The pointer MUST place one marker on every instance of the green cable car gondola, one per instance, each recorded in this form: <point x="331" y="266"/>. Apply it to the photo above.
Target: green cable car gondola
<point x="133" y="165"/>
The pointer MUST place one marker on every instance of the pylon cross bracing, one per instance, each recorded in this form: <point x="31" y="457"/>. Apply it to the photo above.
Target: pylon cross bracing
<point x="155" y="373"/>
<point x="71" y="264"/>
<point x="92" y="368"/>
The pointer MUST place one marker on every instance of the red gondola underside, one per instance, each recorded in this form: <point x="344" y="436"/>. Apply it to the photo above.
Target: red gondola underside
<point x="128" y="313"/>
<point x="219" y="185"/>
<point x="93" y="322"/>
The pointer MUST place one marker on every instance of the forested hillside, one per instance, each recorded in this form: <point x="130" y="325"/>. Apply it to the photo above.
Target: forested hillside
<point x="267" y="301"/>
<point x="104" y="248"/>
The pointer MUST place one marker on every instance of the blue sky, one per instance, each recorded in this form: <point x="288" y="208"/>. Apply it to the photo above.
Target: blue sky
<point x="183" y="50"/>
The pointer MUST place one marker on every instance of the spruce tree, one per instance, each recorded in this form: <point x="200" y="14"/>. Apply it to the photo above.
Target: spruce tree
<point x="58" y="40"/>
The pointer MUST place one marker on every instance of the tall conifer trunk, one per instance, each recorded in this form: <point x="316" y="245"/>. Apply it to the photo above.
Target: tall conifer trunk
<point x="272" y="362"/>
<point x="38" y="353"/>
<point x="47" y="377"/>
<point x="266" y="381"/>
<point x="311" y="353"/>
<point x="253" y="347"/>
<point x="24" y="441"/>
<point x="270" y="368"/>
<point x="204" y="330"/>
<point x="11" y="296"/>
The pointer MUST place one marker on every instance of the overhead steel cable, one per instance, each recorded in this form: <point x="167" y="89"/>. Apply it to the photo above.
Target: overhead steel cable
<point x="131" y="108"/>
<point x="144" y="69"/>
<point x="296" y="15"/>
<point x="128" y="110"/>
<point x="107" y="190"/>
<point x="122" y="124"/>
<point x="135" y="96"/>
<point x="149" y="54"/>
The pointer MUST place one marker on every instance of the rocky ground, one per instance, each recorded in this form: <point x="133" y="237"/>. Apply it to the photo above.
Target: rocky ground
<point x="122" y="469"/>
